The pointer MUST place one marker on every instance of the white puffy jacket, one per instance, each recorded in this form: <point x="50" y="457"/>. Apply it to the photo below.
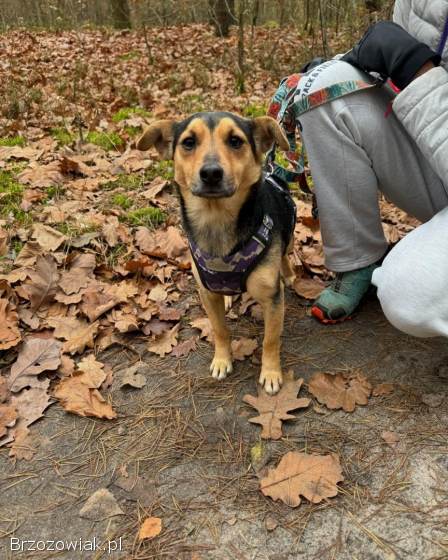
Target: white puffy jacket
<point x="423" y="106"/>
<point x="412" y="282"/>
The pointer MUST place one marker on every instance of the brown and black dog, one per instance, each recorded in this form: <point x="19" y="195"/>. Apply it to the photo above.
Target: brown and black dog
<point x="232" y="215"/>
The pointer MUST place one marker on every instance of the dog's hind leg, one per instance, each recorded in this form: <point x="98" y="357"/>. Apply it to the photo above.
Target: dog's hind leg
<point x="287" y="271"/>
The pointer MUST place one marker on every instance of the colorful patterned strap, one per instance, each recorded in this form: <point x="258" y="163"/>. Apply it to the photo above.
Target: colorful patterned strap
<point x="287" y="110"/>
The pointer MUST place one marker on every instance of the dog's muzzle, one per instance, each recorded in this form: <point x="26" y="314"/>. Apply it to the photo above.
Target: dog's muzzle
<point x="212" y="183"/>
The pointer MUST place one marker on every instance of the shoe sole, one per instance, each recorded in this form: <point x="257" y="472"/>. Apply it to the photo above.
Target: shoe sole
<point x="318" y="314"/>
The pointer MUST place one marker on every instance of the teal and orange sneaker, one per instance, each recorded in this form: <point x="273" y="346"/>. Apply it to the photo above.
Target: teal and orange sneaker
<point x="337" y="302"/>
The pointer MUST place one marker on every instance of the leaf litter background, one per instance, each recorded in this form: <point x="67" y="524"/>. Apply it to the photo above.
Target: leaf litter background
<point x="98" y="313"/>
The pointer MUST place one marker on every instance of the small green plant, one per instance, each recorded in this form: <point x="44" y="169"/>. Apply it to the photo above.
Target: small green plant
<point x="162" y="169"/>
<point x="106" y="140"/>
<point x="13" y="141"/>
<point x="10" y="198"/>
<point x="71" y="229"/>
<point x="253" y="110"/>
<point x="129" y="181"/>
<point x="122" y="201"/>
<point x="130" y="55"/>
<point x="54" y="192"/>
<point x="62" y="136"/>
<point x="128" y="112"/>
<point x="133" y="131"/>
<point x="149" y="217"/>
<point x="115" y="253"/>
<point x="192" y="103"/>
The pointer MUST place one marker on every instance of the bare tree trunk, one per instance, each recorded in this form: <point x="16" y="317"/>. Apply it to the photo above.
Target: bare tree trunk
<point x="121" y="14"/>
<point x="221" y="12"/>
<point x="241" y="71"/>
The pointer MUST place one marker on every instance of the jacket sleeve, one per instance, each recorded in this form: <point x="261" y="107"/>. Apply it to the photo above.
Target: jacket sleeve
<point x="402" y="11"/>
<point x="422" y="108"/>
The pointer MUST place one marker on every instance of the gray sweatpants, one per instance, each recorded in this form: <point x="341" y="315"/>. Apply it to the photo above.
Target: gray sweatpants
<point x="354" y="151"/>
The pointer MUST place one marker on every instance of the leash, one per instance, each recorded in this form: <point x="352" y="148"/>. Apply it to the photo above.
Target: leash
<point x="443" y="39"/>
<point x="286" y="108"/>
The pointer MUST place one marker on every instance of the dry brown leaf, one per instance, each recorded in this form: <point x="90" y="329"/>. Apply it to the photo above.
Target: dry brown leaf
<point x="77" y="333"/>
<point x="151" y="527"/>
<point x="36" y="355"/>
<point x="77" y="395"/>
<point x="308" y="288"/>
<point x="157" y="185"/>
<point x="3" y="242"/>
<point x="79" y="274"/>
<point x="169" y="313"/>
<point x="47" y="237"/>
<point x="243" y="348"/>
<point x="102" y="504"/>
<point x="165" y="343"/>
<point x="42" y="175"/>
<point x="204" y="325"/>
<point x="9" y="325"/>
<point x="156" y="327"/>
<point x="383" y="389"/>
<point x="185" y="347"/>
<point x="274" y="409"/>
<point x="94" y="374"/>
<point x="8" y="417"/>
<point x="340" y="390"/>
<point x="4" y="391"/>
<point x="167" y="243"/>
<point x="132" y="378"/>
<point x="96" y="302"/>
<point x="28" y="254"/>
<point x="158" y="294"/>
<point x="30" y="405"/>
<point x="315" y="477"/>
<point x="391" y="438"/>
<point x="43" y="282"/>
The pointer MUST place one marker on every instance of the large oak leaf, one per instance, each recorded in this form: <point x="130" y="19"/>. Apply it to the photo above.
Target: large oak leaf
<point x="37" y="355"/>
<point x="274" y="409"/>
<point x="314" y="477"/>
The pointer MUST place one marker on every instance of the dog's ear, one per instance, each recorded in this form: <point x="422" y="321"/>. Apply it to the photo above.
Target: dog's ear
<point x="159" y="134"/>
<point x="266" y="132"/>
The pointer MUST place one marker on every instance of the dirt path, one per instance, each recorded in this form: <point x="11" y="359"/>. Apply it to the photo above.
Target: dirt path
<point x="180" y="450"/>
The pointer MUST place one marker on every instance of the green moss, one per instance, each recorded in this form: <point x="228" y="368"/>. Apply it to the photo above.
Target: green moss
<point x="149" y="217"/>
<point x="122" y="201"/>
<point x="62" y="136"/>
<point x="162" y="169"/>
<point x="129" y="181"/>
<point x="17" y="246"/>
<point x="192" y="103"/>
<point x="131" y="55"/>
<point x="133" y="131"/>
<point x="114" y="254"/>
<point x="10" y="198"/>
<point x="74" y="230"/>
<point x="107" y="141"/>
<point x="129" y="112"/>
<point x="253" y="110"/>
<point x="13" y="141"/>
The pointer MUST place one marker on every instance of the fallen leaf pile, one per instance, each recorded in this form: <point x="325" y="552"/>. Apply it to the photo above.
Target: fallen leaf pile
<point x="91" y="247"/>
<point x="273" y="410"/>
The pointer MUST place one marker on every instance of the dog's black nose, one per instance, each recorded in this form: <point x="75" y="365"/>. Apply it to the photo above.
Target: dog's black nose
<point x="211" y="174"/>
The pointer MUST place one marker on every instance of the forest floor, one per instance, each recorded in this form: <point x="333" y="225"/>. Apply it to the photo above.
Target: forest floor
<point x="104" y="355"/>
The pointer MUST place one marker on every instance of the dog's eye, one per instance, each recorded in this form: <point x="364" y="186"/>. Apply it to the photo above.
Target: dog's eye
<point x="189" y="143"/>
<point x="235" y="142"/>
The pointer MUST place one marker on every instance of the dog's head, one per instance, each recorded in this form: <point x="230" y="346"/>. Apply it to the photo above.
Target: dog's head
<point x="215" y="154"/>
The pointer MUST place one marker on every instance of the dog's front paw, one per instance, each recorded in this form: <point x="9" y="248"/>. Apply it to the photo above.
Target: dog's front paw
<point x="220" y="367"/>
<point x="271" y="381"/>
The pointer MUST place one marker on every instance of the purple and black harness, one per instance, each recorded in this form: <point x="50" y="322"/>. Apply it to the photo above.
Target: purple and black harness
<point x="228" y="275"/>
